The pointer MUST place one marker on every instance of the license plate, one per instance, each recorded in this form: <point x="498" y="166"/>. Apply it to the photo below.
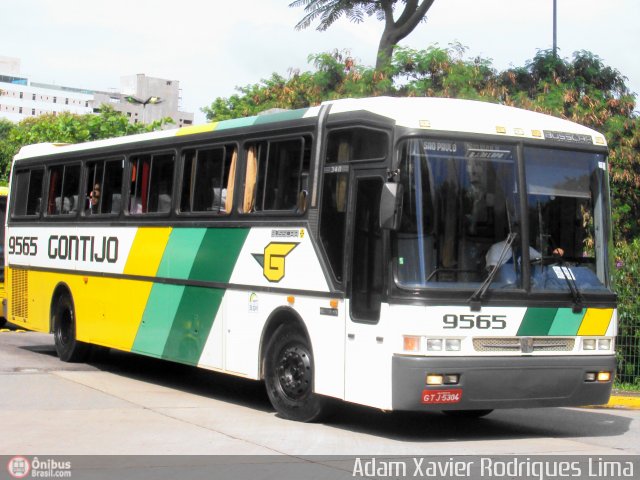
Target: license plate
<point x="450" y="395"/>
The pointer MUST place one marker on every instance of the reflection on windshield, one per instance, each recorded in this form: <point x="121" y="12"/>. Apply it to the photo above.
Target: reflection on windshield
<point x="461" y="202"/>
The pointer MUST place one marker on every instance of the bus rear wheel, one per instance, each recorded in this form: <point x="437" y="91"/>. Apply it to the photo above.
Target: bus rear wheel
<point x="69" y="349"/>
<point x="289" y="376"/>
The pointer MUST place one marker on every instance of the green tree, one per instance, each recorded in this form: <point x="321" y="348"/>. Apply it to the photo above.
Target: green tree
<point x="581" y="89"/>
<point x="395" y="29"/>
<point x="65" y="128"/>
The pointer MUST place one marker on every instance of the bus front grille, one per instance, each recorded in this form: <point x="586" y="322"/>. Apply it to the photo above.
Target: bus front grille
<point x="20" y="293"/>
<point x="523" y="344"/>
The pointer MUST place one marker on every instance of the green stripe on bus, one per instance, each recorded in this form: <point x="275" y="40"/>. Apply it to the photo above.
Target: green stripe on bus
<point x="177" y="319"/>
<point x="181" y="250"/>
<point x="192" y="324"/>
<point x="236" y="123"/>
<point x="281" y="116"/>
<point x="214" y="261"/>
<point x="158" y="319"/>
<point x="217" y="254"/>
<point x="566" y="322"/>
<point x="537" y="321"/>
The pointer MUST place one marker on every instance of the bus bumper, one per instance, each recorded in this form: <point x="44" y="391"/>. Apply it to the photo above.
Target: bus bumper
<point x="500" y="382"/>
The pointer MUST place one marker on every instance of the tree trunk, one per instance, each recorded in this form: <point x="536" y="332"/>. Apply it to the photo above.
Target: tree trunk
<point x="385" y="50"/>
<point x="394" y="31"/>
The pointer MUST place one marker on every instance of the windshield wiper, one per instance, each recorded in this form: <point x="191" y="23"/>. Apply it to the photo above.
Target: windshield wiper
<point x="567" y="274"/>
<point x="475" y="301"/>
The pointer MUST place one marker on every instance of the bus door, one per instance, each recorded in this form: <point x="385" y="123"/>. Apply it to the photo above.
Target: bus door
<point x="368" y="371"/>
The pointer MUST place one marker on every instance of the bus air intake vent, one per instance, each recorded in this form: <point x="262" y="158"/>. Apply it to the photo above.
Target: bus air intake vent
<point x="515" y="344"/>
<point x="20" y="293"/>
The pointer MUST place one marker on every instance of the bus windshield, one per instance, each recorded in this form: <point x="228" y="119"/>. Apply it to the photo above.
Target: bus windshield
<point x="566" y="193"/>
<point x="461" y="203"/>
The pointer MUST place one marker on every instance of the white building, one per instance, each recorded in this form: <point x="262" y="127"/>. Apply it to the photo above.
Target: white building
<point x="141" y="98"/>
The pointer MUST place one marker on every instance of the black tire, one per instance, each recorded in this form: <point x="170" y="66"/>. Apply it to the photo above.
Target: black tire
<point x="289" y="374"/>
<point x="3" y="322"/>
<point x="64" y="332"/>
<point x="467" y="413"/>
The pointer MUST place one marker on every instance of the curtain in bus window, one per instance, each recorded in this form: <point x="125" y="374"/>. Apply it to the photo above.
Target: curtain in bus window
<point x="144" y="185"/>
<point x="341" y="189"/>
<point x="250" y="179"/>
<point x="55" y="188"/>
<point x="228" y="203"/>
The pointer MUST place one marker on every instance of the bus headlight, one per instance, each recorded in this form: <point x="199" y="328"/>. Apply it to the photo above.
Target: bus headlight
<point x="452" y="344"/>
<point x="597" y="344"/>
<point x="604" y="344"/>
<point x="434" y="344"/>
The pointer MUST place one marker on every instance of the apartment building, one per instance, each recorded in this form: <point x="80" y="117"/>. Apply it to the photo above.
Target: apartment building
<point x="141" y="98"/>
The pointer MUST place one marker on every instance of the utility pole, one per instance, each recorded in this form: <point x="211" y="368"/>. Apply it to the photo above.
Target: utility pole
<point x="555" y="28"/>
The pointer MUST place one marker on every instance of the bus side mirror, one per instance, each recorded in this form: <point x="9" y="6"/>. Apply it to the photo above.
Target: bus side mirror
<point x="391" y="206"/>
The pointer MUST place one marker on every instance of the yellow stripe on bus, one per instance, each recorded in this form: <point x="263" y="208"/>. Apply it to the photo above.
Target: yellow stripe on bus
<point x="146" y="251"/>
<point x="104" y="318"/>
<point x="596" y="321"/>
<point x="207" y="127"/>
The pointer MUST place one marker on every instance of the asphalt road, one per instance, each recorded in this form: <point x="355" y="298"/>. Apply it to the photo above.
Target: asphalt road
<point x="121" y="403"/>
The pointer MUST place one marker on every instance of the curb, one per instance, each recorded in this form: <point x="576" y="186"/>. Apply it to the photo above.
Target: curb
<point x="625" y="402"/>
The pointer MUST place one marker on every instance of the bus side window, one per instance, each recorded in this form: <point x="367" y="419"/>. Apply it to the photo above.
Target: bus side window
<point x="104" y="187"/>
<point x="360" y="143"/>
<point x="277" y="175"/>
<point x="207" y="180"/>
<point x="151" y="183"/>
<point x="64" y="186"/>
<point x="28" y="192"/>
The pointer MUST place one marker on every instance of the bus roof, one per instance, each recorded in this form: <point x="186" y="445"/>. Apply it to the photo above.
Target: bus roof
<point x="427" y="113"/>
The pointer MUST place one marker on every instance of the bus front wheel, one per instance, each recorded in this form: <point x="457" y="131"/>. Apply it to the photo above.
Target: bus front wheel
<point x="289" y="376"/>
<point x="69" y="349"/>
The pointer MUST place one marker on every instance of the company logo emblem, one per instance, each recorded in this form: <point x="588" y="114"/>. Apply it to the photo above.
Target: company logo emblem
<point x="526" y="345"/>
<point x="272" y="260"/>
<point x="19" y="467"/>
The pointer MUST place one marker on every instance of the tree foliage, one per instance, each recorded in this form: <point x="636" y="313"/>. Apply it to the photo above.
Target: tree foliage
<point x="581" y="89"/>
<point x="65" y="128"/>
<point x="626" y="276"/>
<point x="395" y="29"/>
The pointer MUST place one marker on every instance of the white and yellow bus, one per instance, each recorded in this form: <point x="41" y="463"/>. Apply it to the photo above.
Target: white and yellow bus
<point x="402" y="253"/>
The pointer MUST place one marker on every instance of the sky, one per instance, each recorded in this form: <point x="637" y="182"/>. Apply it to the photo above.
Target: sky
<point x="213" y="46"/>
